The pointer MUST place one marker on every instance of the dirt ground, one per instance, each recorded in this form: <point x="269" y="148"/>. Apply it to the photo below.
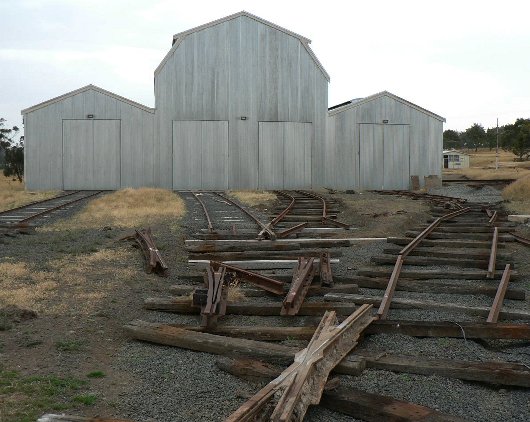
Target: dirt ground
<point x="84" y="284"/>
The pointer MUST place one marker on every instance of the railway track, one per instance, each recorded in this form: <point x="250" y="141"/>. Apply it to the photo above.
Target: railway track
<point x="37" y="212"/>
<point x="449" y="277"/>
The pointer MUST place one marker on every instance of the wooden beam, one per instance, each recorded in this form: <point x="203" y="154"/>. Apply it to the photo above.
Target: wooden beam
<point x="431" y="274"/>
<point x="346" y="400"/>
<point x="225" y="346"/>
<point x="248" y="255"/>
<point x="493" y="372"/>
<point x="437" y="286"/>
<point x="302" y="383"/>
<point x="467" y="330"/>
<point x="403" y="303"/>
<point x="184" y="306"/>
<point x="429" y="261"/>
<point x="65" y="418"/>
<point x="499" y="297"/>
<point x="436" y="252"/>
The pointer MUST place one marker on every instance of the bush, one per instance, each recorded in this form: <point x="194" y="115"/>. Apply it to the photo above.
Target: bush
<point x="518" y="190"/>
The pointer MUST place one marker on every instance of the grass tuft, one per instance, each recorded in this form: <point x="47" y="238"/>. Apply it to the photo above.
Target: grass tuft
<point x="13" y="194"/>
<point x="86" y="399"/>
<point x="96" y="374"/>
<point x="518" y="193"/>
<point x="254" y="198"/>
<point x="69" y="346"/>
<point x="127" y="208"/>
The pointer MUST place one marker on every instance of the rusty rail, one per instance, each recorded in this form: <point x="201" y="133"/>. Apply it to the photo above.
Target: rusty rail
<point x="302" y="278"/>
<point x="521" y="239"/>
<point x="382" y="312"/>
<point x="270" y="234"/>
<point x="499" y="297"/>
<point x="32" y="204"/>
<point x="325" y="219"/>
<point x="154" y="261"/>
<point x="326" y="276"/>
<point x="264" y="282"/>
<point x="493" y="254"/>
<point x="208" y="219"/>
<point x="213" y="299"/>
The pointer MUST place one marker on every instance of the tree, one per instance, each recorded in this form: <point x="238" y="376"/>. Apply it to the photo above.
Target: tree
<point x="475" y="136"/>
<point x="491" y="137"/>
<point x="516" y="138"/>
<point x="451" y="139"/>
<point x="14" y="150"/>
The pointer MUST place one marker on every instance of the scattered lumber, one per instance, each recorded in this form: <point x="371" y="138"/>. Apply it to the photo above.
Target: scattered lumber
<point x="302" y="383"/>
<point x="469" y="236"/>
<point x="448" y="253"/>
<point x="350" y="401"/>
<point x="403" y="303"/>
<point x="185" y="306"/>
<point x="155" y="262"/>
<point x="445" y="243"/>
<point x="225" y="346"/>
<point x="468" y="330"/>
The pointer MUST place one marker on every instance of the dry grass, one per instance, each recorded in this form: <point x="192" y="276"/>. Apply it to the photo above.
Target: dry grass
<point x="482" y="166"/>
<point x="518" y="193"/>
<point x="235" y="294"/>
<point x="69" y="289"/>
<point x="127" y="208"/>
<point x="254" y="198"/>
<point x="12" y="194"/>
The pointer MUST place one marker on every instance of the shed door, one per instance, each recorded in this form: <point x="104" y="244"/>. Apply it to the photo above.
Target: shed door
<point x="200" y="154"/>
<point x="285" y="155"/>
<point x="91" y="154"/>
<point x="384" y="152"/>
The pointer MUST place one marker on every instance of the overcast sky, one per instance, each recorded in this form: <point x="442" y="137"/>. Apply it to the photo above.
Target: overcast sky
<point x="466" y="60"/>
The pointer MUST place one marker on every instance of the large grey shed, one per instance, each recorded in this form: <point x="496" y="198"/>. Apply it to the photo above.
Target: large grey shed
<point x="378" y="142"/>
<point x="240" y="103"/>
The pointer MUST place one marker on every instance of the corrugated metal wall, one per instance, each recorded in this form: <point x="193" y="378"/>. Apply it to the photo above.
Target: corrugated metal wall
<point x="240" y="68"/>
<point x="356" y="158"/>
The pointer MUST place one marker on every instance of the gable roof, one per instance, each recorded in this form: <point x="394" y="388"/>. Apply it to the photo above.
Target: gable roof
<point x="177" y="38"/>
<point x="88" y="88"/>
<point x="358" y="101"/>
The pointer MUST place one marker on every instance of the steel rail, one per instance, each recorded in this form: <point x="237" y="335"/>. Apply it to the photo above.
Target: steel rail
<point x="31" y="217"/>
<point x="31" y="204"/>
<point x="499" y="296"/>
<point x="281" y="215"/>
<point x="384" y="307"/>
<point x="210" y="225"/>
<point x="325" y="219"/>
<point x="264" y="228"/>
<point x="493" y="254"/>
<point x="521" y="239"/>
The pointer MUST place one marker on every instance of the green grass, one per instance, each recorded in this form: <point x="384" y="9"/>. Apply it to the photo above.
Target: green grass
<point x="86" y="399"/>
<point x="24" y="398"/>
<point x="96" y="374"/>
<point x="69" y="346"/>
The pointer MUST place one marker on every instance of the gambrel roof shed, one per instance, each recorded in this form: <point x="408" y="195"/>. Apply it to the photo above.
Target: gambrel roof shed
<point x="178" y="38"/>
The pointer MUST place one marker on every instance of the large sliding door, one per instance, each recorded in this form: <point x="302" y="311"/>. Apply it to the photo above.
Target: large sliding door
<point x="384" y="156"/>
<point x="285" y="155"/>
<point x="91" y="154"/>
<point x="200" y="154"/>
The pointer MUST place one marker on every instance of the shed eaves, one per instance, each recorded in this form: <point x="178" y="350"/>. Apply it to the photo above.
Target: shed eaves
<point x="358" y="101"/>
<point x="83" y="89"/>
<point x="177" y="38"/>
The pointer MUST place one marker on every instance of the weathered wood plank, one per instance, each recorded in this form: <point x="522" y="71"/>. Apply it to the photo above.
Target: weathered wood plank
<point x="437" y="286"/>
<point x="226" y="346"/>
<point x="352" y="402"/>
<point x="428" y="261"/>
<point x="184" y="306"/>
<point x="430" y="274"/>
<point x="428" y="304"/>
<point x="445" y="243"/>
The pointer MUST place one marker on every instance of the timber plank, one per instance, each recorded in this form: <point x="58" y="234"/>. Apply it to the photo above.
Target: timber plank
<point x="184" y="306"/>
<point x="445" y="243"/>
<point x="314" y="290"/>
<point x="403" y="303"/>
<point x="431" y="274"/>
<point x="428" y="261"/>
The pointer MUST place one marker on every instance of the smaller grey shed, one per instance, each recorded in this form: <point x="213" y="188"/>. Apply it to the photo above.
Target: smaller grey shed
<point x="378" y="142"/>
<point x="89" y="138"/>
